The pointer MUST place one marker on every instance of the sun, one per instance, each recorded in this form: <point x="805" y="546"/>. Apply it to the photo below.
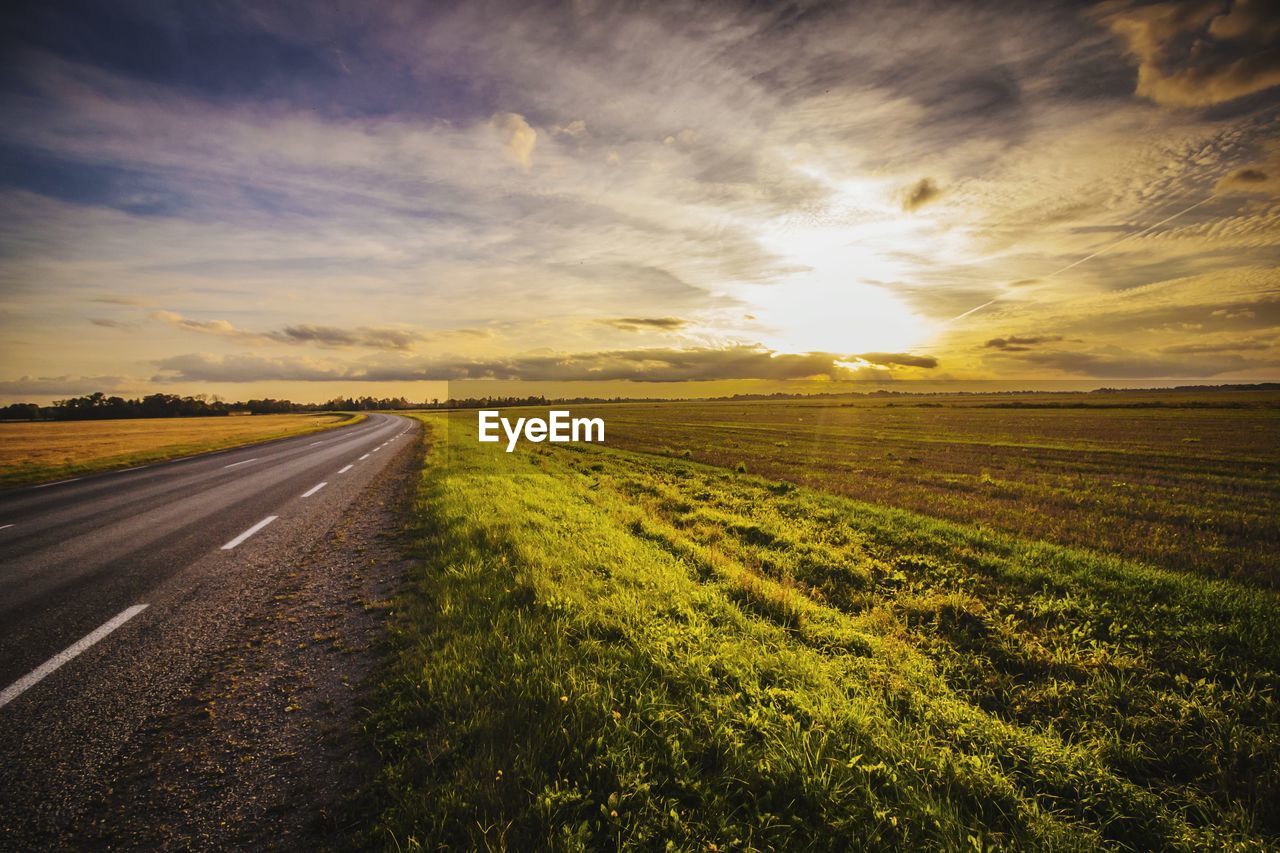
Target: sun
<point x="842" y="317"/>
<point x="838" y="293"/>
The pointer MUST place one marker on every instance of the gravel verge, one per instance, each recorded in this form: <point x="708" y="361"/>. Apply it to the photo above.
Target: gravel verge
<point x="265" y="750"/>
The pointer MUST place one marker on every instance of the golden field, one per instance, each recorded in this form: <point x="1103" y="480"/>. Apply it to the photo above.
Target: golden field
<point x="42" y="451"/>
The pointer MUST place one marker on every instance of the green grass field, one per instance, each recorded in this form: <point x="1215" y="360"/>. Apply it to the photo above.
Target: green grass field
<point x="615" y="646"/>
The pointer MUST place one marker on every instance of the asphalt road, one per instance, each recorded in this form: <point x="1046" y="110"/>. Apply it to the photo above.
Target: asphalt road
<point x="111" y="587"/>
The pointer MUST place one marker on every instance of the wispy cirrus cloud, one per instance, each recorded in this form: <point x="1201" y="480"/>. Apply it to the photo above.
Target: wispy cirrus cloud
<point x="842" y="179"/>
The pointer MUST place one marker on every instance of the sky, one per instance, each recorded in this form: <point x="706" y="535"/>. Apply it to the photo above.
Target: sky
<point x="307" y="200"/>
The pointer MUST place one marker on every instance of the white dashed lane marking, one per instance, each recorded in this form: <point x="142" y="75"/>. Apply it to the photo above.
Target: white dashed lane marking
<point x="252" y="530"/>
<point x="13" y="691"/>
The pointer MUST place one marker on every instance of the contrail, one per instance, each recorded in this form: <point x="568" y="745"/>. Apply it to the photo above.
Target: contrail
<point x="1107" y="248"/>
<point x="970" y="311"/>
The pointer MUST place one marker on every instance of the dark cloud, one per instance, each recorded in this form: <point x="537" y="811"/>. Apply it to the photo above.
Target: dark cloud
<point x="1015" y="343"/>
<point x="919" y="194"/>
<point x="639" y="365"/>
<point x="663" y="365"/>
<point x="1197" y="54"/>
<point x="1116" y="363"/>
<point x="107" y="323"/>
<point x="1210" y="348"/>
<point x="636" y="324"/>
<point x="1249" y="176"/>
<point x="326" y="336"/>
<point x="1255" y="179"/>
<point x="643" y="365"/>
<point x="330" y="336"/>
<point x="901" y="359"/>
<point x="470" y="333"/>
<point x="202" y="367"/>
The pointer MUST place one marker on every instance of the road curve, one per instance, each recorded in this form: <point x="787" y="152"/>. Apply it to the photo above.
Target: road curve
<point x="111" y="586"/>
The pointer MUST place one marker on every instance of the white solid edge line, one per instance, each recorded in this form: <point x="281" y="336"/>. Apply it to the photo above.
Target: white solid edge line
<point x="252" y="530"/>
<point x="5" y="526"/>
<point x="241" y="462"/>
<point x="311" y="491"/>
<point x="58" y="483"/>
<point x="362" y="458"/>
<point x="13" y="691"/>
<point x="341" y="471"/>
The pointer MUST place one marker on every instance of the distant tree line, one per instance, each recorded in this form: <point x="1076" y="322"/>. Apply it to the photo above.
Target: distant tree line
<point x="99" y="406"/>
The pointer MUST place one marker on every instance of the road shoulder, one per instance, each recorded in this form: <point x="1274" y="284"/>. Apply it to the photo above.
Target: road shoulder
<point x="265" y="749"/>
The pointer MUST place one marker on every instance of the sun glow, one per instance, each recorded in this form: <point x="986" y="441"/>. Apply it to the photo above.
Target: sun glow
<point x="839" y="297"/>
<point x="837" y="317"/>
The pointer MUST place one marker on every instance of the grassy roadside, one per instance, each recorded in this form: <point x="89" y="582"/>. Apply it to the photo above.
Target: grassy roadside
<point x="601" y="648"/>
<point x="42" y="452"/>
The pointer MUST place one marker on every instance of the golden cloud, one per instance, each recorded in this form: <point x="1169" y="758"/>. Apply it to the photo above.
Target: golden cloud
<point x="1199" y="54"/>
<point x="518" y="138"/>
<point x="922" y="192"/>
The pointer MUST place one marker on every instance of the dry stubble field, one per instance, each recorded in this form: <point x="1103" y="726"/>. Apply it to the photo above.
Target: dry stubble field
<point x="44" y="451"/>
